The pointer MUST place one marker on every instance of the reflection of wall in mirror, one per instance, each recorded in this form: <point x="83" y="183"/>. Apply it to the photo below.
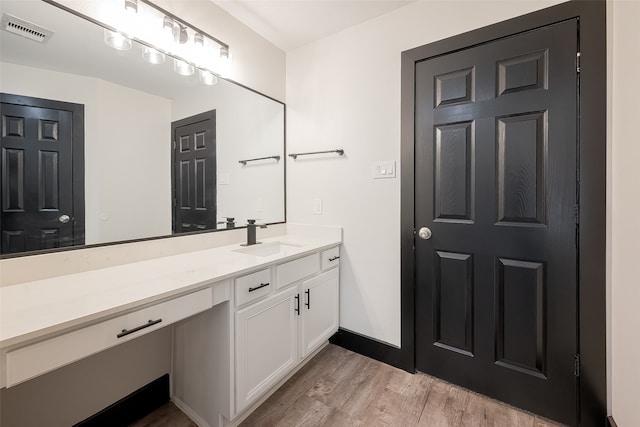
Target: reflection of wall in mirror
<point x="248" y="126"/>
<point x="126" y="130"/>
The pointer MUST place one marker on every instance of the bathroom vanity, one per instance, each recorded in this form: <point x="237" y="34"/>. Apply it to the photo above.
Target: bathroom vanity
<point x="244" y="318"/>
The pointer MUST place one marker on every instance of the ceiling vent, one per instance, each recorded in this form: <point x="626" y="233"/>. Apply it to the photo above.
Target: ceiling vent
<point x="25" y="29"/>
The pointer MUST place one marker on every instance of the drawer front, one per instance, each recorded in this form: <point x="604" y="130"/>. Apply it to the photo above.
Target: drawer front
<point x="44" y="356"/>
<point x="295" y="270"/>
<point x="330" y="258"/>
<point x="252" y="286"/>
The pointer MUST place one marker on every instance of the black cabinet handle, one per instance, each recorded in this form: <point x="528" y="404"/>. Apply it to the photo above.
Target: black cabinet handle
<point x="308" y="303"/>
<point x="334" y="258"/>
<point x="297" y="309"/>
<point x="126" y="332"/>
<point x="262" y="285"/>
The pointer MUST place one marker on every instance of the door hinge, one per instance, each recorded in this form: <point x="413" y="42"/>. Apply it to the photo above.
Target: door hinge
<point x="576" y="365"/>
<point x="577" y="62"/>
<point x="576" y="213"/>
<point x="174" y="144"/>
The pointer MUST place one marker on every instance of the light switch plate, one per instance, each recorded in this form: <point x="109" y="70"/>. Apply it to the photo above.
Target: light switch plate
<point x="259" y="205"/>
<point x="223" y="178"/>
<point x="386" y="169"/>
<point x="317" y="206"/>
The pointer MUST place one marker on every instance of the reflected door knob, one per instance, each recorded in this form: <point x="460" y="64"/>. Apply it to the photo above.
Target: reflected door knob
<point x="424" y="233"/>
<point x="64" y="219"/>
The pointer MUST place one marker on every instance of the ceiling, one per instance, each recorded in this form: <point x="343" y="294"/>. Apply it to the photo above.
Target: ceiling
<point x="289" y="24"/>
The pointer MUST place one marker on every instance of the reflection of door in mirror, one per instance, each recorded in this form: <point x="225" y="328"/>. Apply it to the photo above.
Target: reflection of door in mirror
<point x="194" y="173"/>
<point x="42" y="159"/>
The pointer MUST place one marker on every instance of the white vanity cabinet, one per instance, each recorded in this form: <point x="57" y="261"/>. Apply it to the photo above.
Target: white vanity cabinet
<point x="242" y="320"/>
<point x="319" y="310"/>
<point x="275" y="334"/>
<point x="266" y="345"/>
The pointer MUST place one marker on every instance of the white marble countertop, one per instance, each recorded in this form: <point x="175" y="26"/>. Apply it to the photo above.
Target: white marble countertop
<point x="33" y="310"/>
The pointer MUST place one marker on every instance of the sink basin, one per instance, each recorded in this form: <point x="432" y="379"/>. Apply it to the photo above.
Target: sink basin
<point x="268" y="249"/>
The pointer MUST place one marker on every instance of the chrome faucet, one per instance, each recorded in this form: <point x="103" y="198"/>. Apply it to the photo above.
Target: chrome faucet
<point x="251" y="232"/>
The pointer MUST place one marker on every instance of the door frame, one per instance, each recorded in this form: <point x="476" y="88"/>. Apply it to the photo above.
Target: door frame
<point x="591" y="298"/>
<point x="77" y="157"/>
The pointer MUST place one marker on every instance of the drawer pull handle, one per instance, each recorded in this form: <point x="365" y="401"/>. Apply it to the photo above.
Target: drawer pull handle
<point x="297" y="309"/>
<point x="308" y="303"/>
<point x="262" y="285"/>
<point x="334" y="258"/>
<point x="126" y="332"/>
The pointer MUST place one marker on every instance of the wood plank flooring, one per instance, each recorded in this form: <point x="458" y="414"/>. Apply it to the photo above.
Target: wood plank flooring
<point x="168" y="415"/>
<point x="341" y="388"/>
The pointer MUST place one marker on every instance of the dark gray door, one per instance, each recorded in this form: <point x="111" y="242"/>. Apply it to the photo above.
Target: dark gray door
<point x="37" y="178"/>
<point x="495" y="182"/>
<point x="194" y="173"/>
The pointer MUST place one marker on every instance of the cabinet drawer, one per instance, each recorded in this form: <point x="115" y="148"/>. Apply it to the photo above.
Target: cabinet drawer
<point x="292" y="271"/>
<point x="44" y="356"/>
<point x="252" y="286"/>
<point x="330" y="258"/>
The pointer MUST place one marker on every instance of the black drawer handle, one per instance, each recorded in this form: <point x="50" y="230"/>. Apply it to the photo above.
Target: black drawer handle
<point x="262" y="285"/>
<point x="334" y="258"/>
<point x="126" y="332"/>
<point x="308" y="303"/>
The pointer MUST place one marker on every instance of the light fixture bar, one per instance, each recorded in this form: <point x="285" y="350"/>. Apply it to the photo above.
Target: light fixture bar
<point x="136" y="5"/>
<point x="183" y="22"/>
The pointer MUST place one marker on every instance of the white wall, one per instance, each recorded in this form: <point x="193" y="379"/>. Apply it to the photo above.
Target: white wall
<point x="132" y="162"/>
<point x="344" y="92"/>
<point x="625" y="205"/>
<point x="119" y="136"/>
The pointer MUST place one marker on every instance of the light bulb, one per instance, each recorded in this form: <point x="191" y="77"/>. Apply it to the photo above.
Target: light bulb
<point x="208" y="78"/>
<point x="117" y="40"/>
<point x="224" y="63"/>
<point x="183" y="68"/>
<point x="153" y="56"/>
<point x="131" y="6"/>
<point x="198" y="40"/>
<point x="168" y="29"/>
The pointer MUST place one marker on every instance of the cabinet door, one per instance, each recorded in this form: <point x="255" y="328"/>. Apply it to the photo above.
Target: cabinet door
<point x="266" y="345"/>
<point x="319" y="310"/>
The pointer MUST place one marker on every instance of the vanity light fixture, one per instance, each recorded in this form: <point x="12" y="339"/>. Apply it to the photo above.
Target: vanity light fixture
<point x="208" y="78"/>
<point x="183" y="68"/>
<point x="116" y="40"/>
<point x="162" y="33"/>
<point x="153" y="56"/>
<point x="131" y="6"/>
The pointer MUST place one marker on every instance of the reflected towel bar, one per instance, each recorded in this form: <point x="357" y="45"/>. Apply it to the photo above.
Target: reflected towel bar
<point x="244" y="162"/>
<point x="339" y="151"/>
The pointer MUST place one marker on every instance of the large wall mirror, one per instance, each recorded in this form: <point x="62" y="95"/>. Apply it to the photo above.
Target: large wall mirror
<point x="161" y="152"/>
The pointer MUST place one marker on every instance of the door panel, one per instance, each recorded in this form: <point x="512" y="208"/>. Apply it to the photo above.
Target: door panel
<point x="454" y="177"/>
<point x="453" y="302"/>
<point x="37" y="178"/>
<point x="195" y="173"/>
<point x="495" y="181"/>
